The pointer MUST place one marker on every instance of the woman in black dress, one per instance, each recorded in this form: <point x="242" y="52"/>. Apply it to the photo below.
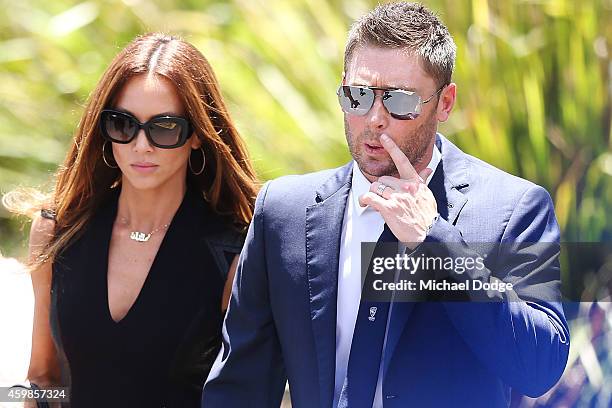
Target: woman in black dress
<point x="134" y="251"/>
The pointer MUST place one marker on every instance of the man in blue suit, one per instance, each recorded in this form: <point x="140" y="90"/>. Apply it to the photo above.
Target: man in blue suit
<point x="297" y="312"/>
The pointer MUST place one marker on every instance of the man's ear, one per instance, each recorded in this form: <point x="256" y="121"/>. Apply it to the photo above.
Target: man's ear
<point x="446" y="102"/>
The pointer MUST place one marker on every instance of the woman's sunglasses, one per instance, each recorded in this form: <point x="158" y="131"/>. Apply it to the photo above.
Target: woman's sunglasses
<point x="401" y="104"/>
<point x="165" y="132"/>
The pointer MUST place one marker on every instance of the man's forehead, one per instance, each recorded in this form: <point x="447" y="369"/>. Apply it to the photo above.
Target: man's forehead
<point x="386" y="67"/>
<point x="373" y="79"/>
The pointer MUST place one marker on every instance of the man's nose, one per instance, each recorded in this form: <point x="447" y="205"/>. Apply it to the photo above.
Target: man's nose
<point x="378" y="116"/>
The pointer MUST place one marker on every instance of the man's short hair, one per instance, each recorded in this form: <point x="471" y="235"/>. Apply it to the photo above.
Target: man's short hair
<point x="411" y="26"/>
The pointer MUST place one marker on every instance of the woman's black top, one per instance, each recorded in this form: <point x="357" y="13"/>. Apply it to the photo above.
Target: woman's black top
<point x="160" y="353"/>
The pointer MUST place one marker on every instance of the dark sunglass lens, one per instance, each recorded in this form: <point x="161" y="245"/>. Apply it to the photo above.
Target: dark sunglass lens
<point x="355" y="100"/>
<point x="401" y="104"/>
<point x="166" y="132"/>
<point x="120" y="128"/>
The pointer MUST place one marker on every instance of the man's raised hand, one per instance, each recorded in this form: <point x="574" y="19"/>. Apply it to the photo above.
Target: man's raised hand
<point x="406" y="204"/>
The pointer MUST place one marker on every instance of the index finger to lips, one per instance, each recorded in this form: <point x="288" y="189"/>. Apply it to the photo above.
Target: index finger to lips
<point x="404" y="167"/>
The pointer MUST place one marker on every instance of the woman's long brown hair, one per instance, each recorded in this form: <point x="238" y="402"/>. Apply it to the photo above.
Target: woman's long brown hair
<point x="83" y="181"/>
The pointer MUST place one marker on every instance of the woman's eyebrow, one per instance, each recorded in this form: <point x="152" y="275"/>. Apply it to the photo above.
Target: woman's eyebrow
<point x="168" y="113"/>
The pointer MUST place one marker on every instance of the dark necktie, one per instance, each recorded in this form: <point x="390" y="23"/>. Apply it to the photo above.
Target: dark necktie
<point x="367" y="345"/>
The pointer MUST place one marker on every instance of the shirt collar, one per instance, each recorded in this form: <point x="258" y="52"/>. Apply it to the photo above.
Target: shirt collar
<point x="360" y="184"/>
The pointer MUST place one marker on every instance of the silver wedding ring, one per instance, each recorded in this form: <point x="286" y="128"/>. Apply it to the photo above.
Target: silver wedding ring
<point x="381" y="189"/>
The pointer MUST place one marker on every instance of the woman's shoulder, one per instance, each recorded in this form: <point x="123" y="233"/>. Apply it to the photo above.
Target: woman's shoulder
<point x="220" y="228"/>
<point x="217" y="232"/>
<point x="223" y="234"/>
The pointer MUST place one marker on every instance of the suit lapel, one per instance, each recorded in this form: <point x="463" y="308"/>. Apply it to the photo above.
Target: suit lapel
<point x="448" y="185"/>
<point x="323" y="234"/>
<point x="450" y="181"/>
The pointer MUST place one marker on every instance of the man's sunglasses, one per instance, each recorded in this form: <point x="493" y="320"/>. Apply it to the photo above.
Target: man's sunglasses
<point x="165" y="132"/>
<point x="401" y="104"/>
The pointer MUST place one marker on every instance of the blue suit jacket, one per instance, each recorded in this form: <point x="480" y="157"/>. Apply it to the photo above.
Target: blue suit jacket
<point x="281" y="322"/>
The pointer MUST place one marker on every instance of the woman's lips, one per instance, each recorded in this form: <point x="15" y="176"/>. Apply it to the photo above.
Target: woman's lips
<point x="144" y="167"/>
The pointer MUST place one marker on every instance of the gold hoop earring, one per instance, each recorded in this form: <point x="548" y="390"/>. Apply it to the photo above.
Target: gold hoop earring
<point x="203" y="163"/>
<point x="104" y="156"/>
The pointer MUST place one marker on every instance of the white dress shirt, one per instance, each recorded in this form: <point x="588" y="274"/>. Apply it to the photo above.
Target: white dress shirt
<point x="360" y="224"/>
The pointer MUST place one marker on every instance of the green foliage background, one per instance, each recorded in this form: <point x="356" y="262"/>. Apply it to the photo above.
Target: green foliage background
<point x="534" y="89"/>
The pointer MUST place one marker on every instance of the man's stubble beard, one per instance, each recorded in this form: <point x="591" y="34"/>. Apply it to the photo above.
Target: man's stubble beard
<point x="414" y="146"/>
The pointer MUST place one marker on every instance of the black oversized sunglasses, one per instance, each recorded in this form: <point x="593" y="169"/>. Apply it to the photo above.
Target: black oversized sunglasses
<point x="401" y="104"/>
<point x="165" y="132"/>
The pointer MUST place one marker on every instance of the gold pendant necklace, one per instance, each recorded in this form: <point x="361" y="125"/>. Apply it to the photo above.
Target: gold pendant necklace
<point x="141" y="236"/>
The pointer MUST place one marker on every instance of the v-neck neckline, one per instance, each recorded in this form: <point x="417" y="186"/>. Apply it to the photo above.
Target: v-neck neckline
<point x="108" y="233"/>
